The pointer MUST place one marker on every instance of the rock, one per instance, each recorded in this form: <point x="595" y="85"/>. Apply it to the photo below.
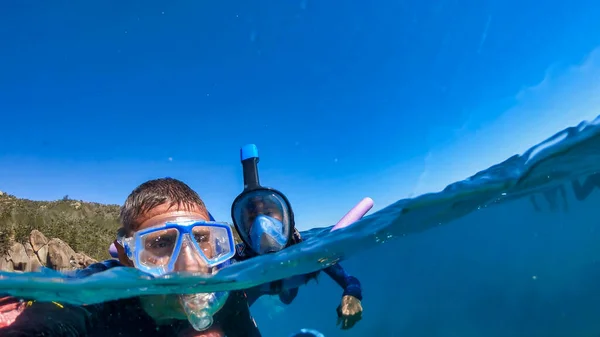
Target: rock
<point x="42" y="254"/>
<point x="6" y="264"/>
<point x="81" y="260"/>
<point x="29" y="249"/>
<point x="18" y="256"/>
<point x="59" y="255"/>
<point x="37" y="240"/>
<point x="34" y="264"/>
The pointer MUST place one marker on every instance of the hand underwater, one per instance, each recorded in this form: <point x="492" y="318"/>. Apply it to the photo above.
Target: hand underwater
<point x="349" y="312"/>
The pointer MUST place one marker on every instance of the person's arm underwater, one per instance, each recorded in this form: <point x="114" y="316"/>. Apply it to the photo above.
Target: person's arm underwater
<point x="57" y="319"/>
<point x="50" y="319"/>
<point x="349" y="283"/>
<point x="350" y="309"/>
<point x="53" y="318"/>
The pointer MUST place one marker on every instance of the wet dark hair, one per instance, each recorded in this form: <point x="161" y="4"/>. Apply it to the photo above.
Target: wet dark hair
<point x="154" y="193"/>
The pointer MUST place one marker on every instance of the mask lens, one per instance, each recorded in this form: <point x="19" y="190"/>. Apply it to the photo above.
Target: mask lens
<point x="158" y="247"/>
<point x="213" y="242"/>
<point x="262" y="208"/>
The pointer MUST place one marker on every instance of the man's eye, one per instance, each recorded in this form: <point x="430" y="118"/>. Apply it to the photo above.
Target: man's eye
<point x="202" y="237"/>
<point x="160" y="242"/>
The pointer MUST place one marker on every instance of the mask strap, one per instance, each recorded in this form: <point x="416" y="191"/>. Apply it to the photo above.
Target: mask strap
<point x="297" y="237"/>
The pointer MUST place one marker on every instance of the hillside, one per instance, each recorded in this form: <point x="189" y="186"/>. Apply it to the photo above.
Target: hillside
<point x="85" y="226"/>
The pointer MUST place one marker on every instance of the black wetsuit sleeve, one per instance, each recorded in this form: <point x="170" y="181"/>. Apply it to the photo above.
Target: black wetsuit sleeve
<point x="49" y="319"/>
<point x="350" y="284"/>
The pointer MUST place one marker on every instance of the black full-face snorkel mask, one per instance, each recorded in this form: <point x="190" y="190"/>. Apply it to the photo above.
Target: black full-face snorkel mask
<point x="262" y="216"/>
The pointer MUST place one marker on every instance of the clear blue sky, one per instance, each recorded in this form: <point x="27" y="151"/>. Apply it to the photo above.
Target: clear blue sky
<point x="344" y="99"/>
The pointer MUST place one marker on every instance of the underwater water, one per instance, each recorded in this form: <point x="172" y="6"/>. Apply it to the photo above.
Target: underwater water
<point x="507" y="252"/>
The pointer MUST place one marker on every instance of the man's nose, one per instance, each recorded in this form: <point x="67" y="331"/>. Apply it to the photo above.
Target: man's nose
<point x="189" y="260"/>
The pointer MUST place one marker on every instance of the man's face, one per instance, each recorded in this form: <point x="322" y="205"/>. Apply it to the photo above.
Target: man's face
<point x="258" y="206"/>
<point x="166" y="307"/>
<point x="160" y="244"/>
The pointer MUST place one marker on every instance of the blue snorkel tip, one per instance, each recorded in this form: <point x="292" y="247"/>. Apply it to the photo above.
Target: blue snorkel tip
<point x="249" y="159"/>
<point x="248" y="151"/>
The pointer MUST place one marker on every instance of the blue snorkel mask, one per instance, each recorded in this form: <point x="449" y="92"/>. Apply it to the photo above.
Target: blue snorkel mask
<point x="262" y="216"/>
<point x="155" y="250"/>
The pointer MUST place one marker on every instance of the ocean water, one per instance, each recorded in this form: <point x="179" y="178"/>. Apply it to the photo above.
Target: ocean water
<point x="507" y="252"/>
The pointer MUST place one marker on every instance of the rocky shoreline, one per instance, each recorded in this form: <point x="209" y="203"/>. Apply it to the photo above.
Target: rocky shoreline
<point x="61" y="234"/>
<point x="39" y="251"/>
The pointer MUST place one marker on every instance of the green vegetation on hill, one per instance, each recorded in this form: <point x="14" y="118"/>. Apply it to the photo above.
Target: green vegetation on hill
<point x="86" y="227"/>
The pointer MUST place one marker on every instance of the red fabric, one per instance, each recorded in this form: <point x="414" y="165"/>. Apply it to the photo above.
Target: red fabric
<point x="10" y="309"/>
<point x="214" y="331"/>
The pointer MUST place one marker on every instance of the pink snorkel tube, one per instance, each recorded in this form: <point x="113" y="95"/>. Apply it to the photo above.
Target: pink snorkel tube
<point x="355" y="214"/>
<point x="112" y="250"/>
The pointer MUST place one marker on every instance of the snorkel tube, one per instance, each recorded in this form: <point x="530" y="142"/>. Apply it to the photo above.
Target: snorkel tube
<point x="355" y="214"/>
<point x="112" y="250"/>
<point x="249" y="158"/>
<point x="200" y="308"/>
